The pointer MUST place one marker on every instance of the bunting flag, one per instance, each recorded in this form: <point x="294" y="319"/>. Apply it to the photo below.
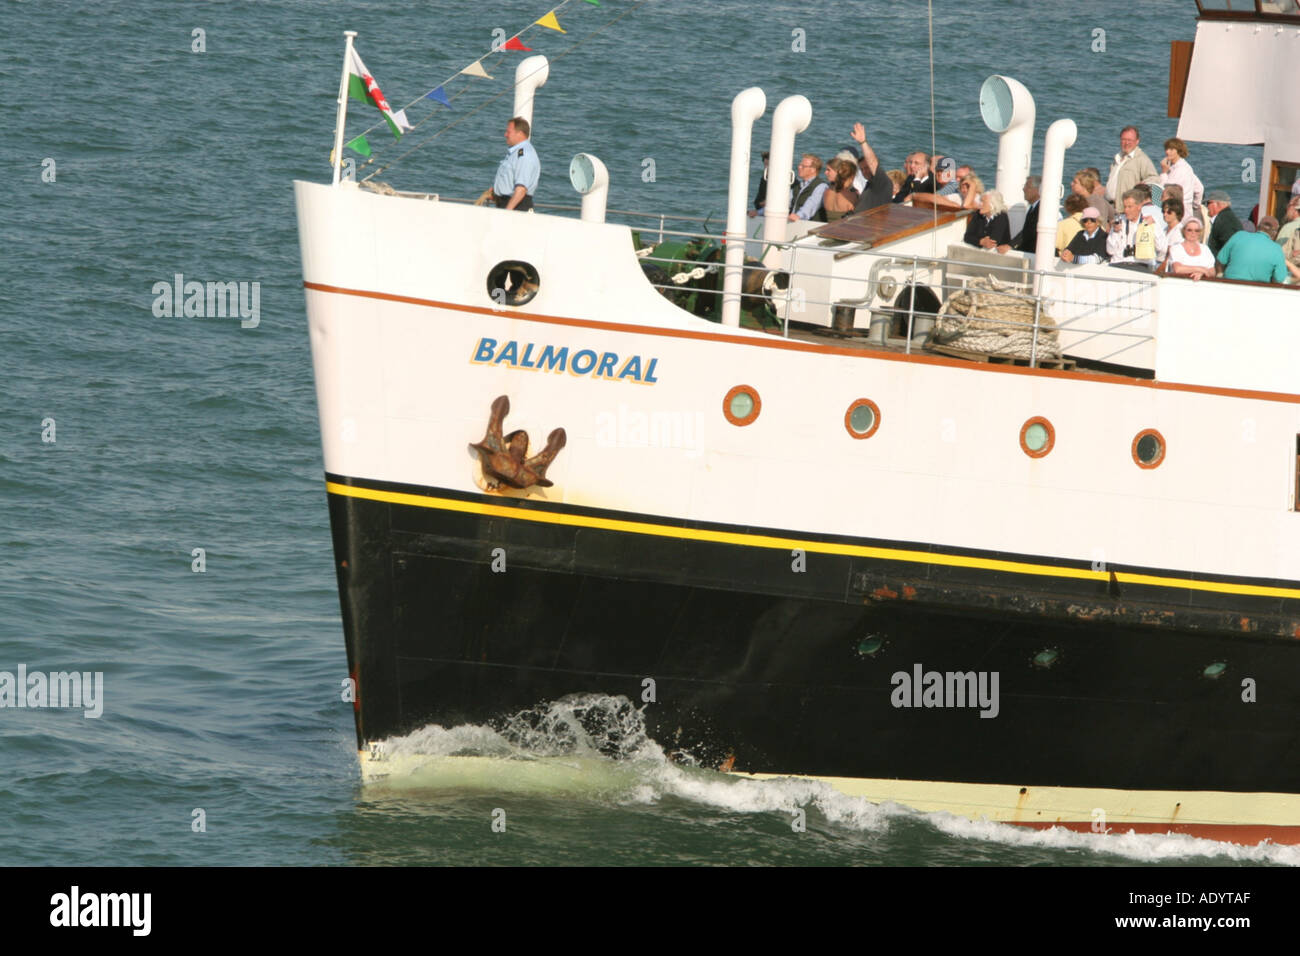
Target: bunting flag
<point x="362" y="86"/>
<point x="360" y="145"/>
<point x="550" y="22"/>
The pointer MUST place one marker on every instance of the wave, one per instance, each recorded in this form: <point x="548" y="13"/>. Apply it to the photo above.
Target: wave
<point x="596" y="746"/>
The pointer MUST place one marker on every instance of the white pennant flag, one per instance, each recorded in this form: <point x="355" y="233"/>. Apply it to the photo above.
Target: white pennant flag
<point x="476" y="69"/>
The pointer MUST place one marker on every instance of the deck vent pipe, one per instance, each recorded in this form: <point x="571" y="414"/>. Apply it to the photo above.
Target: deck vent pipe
<point x="791" y="117"/>
<point x="529" y="75"/>
<point x="747" y="107"/>
<point x="1060" y="137"/>
<point x="1008" y="110"/>
<point x="591" y="179"/>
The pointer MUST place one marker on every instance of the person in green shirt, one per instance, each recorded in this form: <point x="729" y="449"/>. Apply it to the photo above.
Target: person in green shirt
<point x="1254" y="256"/>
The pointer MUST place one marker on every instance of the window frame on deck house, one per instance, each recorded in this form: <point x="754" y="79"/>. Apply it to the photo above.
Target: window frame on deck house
<point x="1278" y="191"/>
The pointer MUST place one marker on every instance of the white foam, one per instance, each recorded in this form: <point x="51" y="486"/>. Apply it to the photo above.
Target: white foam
<point x="596" y="745"/>
<point x="1144" y="847"/>
<point x="586" y="743"/>
<point x="437" y="741"/>
<point x="781" y="795"/>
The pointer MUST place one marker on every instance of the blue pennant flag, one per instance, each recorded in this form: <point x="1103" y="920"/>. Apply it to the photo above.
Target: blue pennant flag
<point x="440" y="96"/>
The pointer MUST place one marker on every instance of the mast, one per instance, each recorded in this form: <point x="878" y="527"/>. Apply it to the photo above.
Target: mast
<point x="343" y="106"/>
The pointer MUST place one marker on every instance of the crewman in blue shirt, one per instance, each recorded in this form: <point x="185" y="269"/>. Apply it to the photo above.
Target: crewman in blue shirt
<point x="518" y="173"/>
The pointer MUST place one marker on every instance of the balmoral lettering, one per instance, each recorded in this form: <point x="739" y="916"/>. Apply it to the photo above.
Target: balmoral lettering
<point x="611" y="366"/>
<point x="553" y="360"/>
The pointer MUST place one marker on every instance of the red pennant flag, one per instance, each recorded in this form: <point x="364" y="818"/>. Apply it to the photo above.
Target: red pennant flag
<point x="514" y="43"/>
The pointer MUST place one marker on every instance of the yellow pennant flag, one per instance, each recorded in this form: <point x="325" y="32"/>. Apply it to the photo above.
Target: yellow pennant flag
<point x="476" y="69"/>
<point x="550" y="22"/>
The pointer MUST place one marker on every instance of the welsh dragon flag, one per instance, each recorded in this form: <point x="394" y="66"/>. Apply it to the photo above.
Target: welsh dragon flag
<point x="362" y="86"/>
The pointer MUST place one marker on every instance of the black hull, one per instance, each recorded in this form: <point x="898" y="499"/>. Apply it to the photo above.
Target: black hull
<point x="769" y="670"/>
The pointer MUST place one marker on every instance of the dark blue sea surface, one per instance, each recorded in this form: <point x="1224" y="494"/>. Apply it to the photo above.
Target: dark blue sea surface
<point x="221" y="689"/>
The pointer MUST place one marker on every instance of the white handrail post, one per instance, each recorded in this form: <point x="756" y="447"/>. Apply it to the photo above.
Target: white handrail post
<point x="911" y="308"/>
<point x="789" y="290"/>
<point x="343" y="107"/>
<point x="1033" y="347"/>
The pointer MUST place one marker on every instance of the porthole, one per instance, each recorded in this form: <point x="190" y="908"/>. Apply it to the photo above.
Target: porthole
<point x="1037" y="437"/>
<point x="1047" y="658"/>
<point x="1148" y="448"/>
<point x="862" y="418"/>
<point x="512" y="283"/>
<point x="870" y="645"/>
<point x="1214" y="671"/>
<point x="742" y="405"/>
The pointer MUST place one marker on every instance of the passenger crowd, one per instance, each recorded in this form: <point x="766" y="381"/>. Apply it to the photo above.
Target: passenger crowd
<point x="1140" y="218"/>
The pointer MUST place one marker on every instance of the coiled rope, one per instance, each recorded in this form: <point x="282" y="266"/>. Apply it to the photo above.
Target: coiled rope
<point x="984" y="318"/>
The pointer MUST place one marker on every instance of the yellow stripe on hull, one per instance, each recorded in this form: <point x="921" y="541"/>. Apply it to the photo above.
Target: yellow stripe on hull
<point x="787" y="544"/>
<point x="1202" y="812"/>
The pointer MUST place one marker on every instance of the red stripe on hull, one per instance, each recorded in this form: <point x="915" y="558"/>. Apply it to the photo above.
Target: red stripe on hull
<point x="777" y="342"/>
<point x="1246" y="834"/>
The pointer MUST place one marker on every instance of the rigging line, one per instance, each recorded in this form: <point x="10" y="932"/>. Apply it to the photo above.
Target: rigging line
<point x="494" y="65"/>
<point x="509" y="89"/>
<point x="501" y="50"/>
<point x="381" y="124"/>
<point x="553" y="9"/>
<point x="453" y="97"/>
<point x="934" y="172"/>
<point x="491" y="99"/>
<point x="512" y="87"/>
